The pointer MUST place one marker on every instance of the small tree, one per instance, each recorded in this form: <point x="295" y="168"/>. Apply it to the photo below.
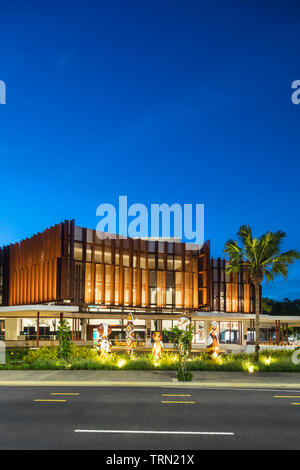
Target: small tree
<point x="64" y="335"/>
<point x="182" y="340"/>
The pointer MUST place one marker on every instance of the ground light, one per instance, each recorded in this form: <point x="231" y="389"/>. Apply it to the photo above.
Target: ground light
<point x="251" y="369"/>
<point x="121" y="363"/>
<point x="219" y="360"/>
<point x="267" y="360"/>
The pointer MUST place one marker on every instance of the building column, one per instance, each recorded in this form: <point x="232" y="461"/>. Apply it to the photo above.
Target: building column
<point x="84" y="329"/>
<point x="11" y="329"/>
<point x="148" y="334"/>
<point x="245" y="324"/>
<point x="38" y="329"/>
<point x="206" y="325"/>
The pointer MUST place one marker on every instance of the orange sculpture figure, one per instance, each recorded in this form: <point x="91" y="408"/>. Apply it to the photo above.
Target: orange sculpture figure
<point x="158" y="347"/>
<point x="213" y="341"/>
<point x="103" y="343"/>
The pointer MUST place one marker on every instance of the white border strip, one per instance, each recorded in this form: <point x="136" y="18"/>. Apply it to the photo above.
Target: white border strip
<point x="118" y="431"/>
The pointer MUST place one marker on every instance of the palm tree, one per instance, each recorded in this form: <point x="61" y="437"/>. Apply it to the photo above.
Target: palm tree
<point x="263" y="258"/>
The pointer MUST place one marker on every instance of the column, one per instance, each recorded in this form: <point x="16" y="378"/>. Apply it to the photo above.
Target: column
<point x="38" y="329"/>
<point x="11" y="329"/>
<point x="84" y="329"/>
<point x="148" y="334"/>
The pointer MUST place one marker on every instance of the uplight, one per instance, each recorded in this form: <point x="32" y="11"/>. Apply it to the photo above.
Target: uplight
<point x="121" y="363"/>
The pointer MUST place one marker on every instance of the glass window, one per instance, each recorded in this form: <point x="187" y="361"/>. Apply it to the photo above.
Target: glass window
<point x="167" y="324"/>
<point x="170" y="263"/>
<point x="199" y="335"/>
<point x="230" y="332"/>
<point x="178" y="298"/>
<point x="89" y="253"/>
<point x="178" y="248"/>
<point x="171" y="248"/>
<point x="89" y="235"/>
<point x="143" y="262"/>
<point x="161" y="262"/>
<point x="78" y="251"/>
<point x="98" y="284"/>
<point x="161" y="247"/>
<point x="107" y="255"/>
<point x="126" y="286"/>
<point x="151" y="261"/>
<point x="188" y="262"/>
<point x="178" y="263"/>
<point x="152" y="278"/>
<point x="107" y="284"/>
<point x="126" y="259"/>
<point x="117" y="285"/>
<point x="151" y="247"/>
<point x="98" y="254"/>
<point x="153" y="295"/>
<point x="170" y="279"/>
<point x="169" y="296"/>
<point x="78" y="234"/>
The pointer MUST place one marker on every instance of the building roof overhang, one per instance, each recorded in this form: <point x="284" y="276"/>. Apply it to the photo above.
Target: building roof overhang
<point x="33" y="310"/>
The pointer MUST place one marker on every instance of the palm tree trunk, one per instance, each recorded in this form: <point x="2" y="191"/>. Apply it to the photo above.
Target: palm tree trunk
<point x="257" y="314"/>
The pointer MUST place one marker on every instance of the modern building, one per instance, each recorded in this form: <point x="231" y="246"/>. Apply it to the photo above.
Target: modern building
<point x="68" y="271"/>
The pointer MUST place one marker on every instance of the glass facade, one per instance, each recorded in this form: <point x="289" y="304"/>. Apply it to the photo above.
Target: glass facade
<point x="71" y="264"/>
<point x="135" y="272"/>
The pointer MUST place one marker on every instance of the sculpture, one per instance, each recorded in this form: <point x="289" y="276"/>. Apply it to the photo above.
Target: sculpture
<point x="129" y="334"/>
<point x="183" y="323"/>
<point x="103" y="345"/>
<point x="213" y="341"/>
<point x="158" y="347"/>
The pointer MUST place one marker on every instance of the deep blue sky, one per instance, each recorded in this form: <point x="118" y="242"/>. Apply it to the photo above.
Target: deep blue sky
<point x="163" y="101"/>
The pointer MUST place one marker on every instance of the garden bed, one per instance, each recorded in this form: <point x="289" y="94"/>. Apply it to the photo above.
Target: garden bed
<point x="84" y="358"/>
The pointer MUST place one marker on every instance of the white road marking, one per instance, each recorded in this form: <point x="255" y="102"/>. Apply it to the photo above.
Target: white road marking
<point x="118" y="431"/>
<point x="236" y="389"/>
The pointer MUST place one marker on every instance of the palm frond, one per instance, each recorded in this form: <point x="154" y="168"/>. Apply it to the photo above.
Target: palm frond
<point x="262" y="255"/>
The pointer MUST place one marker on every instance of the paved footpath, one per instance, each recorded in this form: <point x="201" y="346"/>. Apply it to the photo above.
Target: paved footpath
<point x="136" y="378"/>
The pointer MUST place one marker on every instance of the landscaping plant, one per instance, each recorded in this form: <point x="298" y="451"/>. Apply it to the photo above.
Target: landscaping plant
<point x="64" y="335"/>
<point x="182" y="340"/>
<point x="263" y="258"/>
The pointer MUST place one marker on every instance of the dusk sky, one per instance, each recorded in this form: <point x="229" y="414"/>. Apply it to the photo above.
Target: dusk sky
<point x="162" y="101"/>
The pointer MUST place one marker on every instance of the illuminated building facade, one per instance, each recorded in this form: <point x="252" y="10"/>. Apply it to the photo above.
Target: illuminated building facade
<point x="68" y="271"/>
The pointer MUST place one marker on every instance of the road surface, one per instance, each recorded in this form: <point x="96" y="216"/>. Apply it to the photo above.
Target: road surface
<point x="120" y="418"/>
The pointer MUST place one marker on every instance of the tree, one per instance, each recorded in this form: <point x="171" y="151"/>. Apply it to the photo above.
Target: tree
<point x="64" y="335"/>
<point x="283" y="307"/>
<point x="263" y="258"/>
<point x="267" y="305"/>
<point x="182" y="339"/>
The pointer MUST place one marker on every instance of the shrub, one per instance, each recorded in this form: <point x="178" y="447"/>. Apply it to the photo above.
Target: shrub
<point x="188" y="376"/>
<point x="64" y="336"/>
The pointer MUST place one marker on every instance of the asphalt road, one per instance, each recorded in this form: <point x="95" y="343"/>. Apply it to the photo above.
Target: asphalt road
<point x="256" y="419"/>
